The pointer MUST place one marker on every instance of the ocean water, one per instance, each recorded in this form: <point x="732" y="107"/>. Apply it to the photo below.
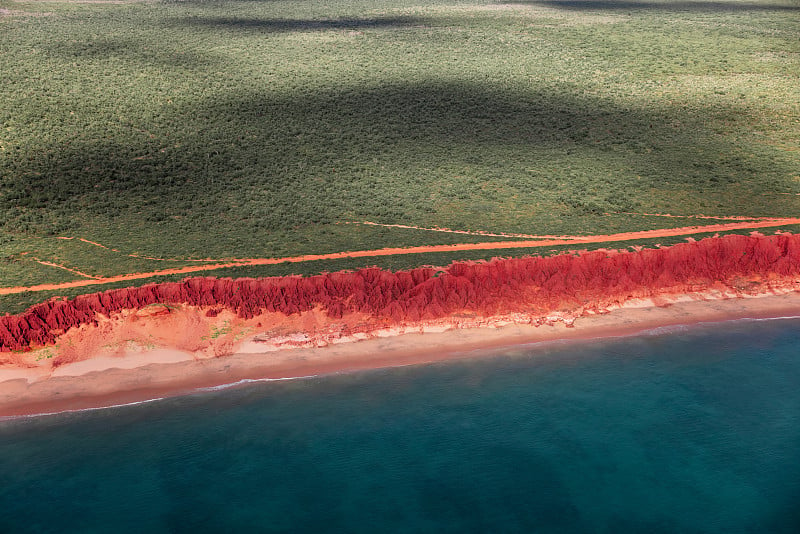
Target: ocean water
<point x="684" y="430"/>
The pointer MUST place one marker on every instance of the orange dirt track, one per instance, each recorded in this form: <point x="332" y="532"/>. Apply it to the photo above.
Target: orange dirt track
<point x="492" y="245"/>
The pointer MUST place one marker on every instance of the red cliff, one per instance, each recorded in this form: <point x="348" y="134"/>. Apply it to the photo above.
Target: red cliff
<point x="589" y="280"/>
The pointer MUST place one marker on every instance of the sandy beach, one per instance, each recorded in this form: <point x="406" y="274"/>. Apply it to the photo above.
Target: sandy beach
<point x="134" y="365"/>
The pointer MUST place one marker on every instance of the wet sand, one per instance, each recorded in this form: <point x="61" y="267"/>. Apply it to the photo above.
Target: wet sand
<point x="129" y="374"/>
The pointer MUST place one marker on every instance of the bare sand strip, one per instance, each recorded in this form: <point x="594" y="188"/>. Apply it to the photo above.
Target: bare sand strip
<point x="141" y="375"/>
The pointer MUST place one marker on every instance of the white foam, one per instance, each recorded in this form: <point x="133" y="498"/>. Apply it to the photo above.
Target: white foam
<point x="197" y="390"/>
<point x="250" y="381"/>
<point x="769" y="318"/>
<point x="92" y="409"/>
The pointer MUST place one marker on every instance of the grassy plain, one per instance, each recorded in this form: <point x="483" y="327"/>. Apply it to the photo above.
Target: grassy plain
<point x="185" y="130"/>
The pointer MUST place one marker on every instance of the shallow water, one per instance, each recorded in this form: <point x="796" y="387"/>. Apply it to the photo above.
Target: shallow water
<point x="690" y="430"/>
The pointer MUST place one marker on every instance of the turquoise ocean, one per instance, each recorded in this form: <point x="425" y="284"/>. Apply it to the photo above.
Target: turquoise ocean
<point x="687" y="429"/>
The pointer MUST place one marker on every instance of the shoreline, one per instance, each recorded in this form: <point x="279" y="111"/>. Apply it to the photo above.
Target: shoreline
<point x="137" y="374"/>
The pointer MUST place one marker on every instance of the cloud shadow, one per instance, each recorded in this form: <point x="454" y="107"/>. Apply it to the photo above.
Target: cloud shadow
<point x="393" y="151"/>
<point x="298" y="25"/>
<point x="658" y="5"/>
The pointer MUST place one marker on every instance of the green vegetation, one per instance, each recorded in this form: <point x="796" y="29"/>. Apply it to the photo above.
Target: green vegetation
<point x="224" y="330"/>
<point x="201" y="129"/>
<point x="45" y="354"/>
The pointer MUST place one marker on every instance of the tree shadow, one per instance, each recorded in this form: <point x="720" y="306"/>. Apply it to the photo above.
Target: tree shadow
<point x="294" y="25"/>
<point x="659" y="5"/>
<point x="223" y="3"/>
<point x="106" y="47"/>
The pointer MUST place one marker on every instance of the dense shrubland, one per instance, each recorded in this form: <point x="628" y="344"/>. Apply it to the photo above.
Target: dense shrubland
<point x="194" y="129"/>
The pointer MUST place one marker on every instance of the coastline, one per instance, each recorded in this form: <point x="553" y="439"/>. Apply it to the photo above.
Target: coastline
<point x="136" y="373"/>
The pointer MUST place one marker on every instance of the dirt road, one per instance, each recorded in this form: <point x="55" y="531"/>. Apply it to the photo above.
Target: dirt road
<point x="489" y="245"/>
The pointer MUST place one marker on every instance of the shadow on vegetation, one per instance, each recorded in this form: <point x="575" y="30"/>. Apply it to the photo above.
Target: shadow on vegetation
<point x="390" y="152"/>
<point x="657" y="5"/>
<point x="289" y="25"/>
<point x="132" y="50"/>
<point x="225" y="3"/>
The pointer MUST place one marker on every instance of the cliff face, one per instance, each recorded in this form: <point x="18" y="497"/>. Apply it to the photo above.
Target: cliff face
<point x="590" y="280"/>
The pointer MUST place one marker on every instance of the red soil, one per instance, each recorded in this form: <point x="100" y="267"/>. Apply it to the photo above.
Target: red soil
<point x="464" y="232"/>
<point x="590" y="281"/>
<point x="59" y="266"/>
